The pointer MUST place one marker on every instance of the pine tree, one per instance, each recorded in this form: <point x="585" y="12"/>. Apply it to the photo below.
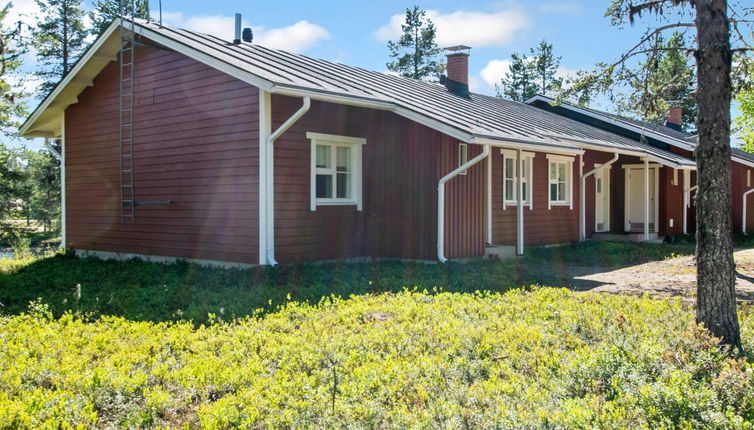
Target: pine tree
<point x="59" y="38"/>
<point x="104" y="12"/>
<point x="545" y="67"/>
<point x="416" y="53"/>
<point x="665" y="77"/>
<point x="12" y="49"/>
<point x="519" y="82"/>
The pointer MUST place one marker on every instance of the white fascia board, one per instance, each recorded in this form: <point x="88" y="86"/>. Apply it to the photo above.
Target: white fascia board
<point x="80" y="64"/>
<point x="536" y="147"/>
<point x="743" y="161"/>
<point x="639" y="154"/>
<point x="376" y="104"/>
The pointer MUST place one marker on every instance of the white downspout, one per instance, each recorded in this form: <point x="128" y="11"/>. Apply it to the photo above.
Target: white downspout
<point x="686" y="205"/>
<point x="489" y="199"/>
<point x="520" y="203"/>
<point x="582" y="195"/>
<point x="743" y="218"/>
<point x="270" y="173"/>
<point x="441" y="200"/>
<point x="646" y="199"/>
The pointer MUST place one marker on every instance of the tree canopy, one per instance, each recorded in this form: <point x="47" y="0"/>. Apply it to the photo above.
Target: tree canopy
<point x="416" y="53"/>
<point x="529" y="76"/>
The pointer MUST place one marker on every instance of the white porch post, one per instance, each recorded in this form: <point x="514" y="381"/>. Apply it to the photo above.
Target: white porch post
<point x="686" y="186"/>
<point x="489" y="199"/>
<point x="519" y="201"/>
<point x="582" y="200"/>
<point x="646" y="199"/>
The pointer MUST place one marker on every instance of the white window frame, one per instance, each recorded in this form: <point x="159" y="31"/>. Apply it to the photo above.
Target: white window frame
<point x="527" y="157"/>
<point x="463" y="155"/>
<point x="555" y="160"/>
<point x="355" y="144"/>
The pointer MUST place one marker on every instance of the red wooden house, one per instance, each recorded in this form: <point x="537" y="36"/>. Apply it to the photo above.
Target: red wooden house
<point x="183" y="145"/>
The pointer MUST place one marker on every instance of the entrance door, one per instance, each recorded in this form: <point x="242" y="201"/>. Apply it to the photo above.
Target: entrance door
<point x="602" y="200"/>
<point x="635" y="198"/>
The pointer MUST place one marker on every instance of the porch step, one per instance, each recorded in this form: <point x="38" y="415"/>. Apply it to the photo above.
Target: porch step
<point x="626" y="237"/>
<point x="500" y="251"/>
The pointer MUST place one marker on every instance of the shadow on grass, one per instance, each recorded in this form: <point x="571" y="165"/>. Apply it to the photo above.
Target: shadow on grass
<point x="143" y="291"/>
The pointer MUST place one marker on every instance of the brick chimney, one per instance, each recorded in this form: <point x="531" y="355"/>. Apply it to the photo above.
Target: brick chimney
<point x="675" y="116"/>
<point x="457" y="80"/>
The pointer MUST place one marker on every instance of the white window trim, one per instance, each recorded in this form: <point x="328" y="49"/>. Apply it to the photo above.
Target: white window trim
<point x="463" y="156"/>
<point x="748" y="177"/>
<point x="552" y="158"/>
<point x="356" y="144"/>
<point x="528" y="157"/>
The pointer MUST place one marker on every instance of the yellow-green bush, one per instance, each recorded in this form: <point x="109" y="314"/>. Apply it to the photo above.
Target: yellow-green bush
<point x="548" y="358"/>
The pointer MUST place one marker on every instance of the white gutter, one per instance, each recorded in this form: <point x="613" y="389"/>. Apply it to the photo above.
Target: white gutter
<point x="270" y="173"/>
<point x="441" y="200"/>
<point x="582" y="195"/>
<point x="743" y="218"/>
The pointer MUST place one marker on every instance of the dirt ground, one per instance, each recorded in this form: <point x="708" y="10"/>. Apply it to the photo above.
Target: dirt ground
<point x="674" y="277"/>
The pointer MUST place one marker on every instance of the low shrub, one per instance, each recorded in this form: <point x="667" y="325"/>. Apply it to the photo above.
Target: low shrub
<point x="546" y="358"/>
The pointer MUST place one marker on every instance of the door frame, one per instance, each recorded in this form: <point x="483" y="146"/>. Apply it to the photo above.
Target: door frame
<point x="605" y="176"/>
<point x="627" y="193"/>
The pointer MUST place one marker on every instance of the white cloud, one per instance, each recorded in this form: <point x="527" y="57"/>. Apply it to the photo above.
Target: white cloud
<point x="476" y="29"/>
<point x="297" y="37"/>
<point x="494" y="72"/>
<point x="474" y="83"/>
<point x="564" y="8"/>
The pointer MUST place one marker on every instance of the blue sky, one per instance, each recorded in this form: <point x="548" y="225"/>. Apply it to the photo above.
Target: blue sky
<point x="355" y="32"/>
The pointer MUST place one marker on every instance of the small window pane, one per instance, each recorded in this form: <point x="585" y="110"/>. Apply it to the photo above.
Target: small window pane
<point x="553" y="171"/>
<point x="508" y="190"/>
<point x="509" y="173"/>
<point x="561" y="191"/>
<point x="344" y="186"/>
<point x="561" y="171"/>
<point x="343" y="159"/>
<point x="324" y="186"/>
<point x="323" y="156"/>
<point x="525" y="193"/>
<point x="554" y="192"/>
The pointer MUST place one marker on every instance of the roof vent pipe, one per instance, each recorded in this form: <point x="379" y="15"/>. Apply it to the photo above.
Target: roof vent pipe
<point x="247" y="35"/>
<point x="237" y="38"/>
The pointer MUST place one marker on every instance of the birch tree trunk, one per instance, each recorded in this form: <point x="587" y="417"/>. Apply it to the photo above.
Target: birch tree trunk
<point x="716" y="295"/>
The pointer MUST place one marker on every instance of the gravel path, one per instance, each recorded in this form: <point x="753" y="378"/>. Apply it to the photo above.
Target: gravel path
<point x="674" y="277"/>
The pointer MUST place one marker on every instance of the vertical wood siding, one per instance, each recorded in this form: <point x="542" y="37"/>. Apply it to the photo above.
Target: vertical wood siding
<point x="195" y="144"/>
<point x="542" y="226"/>
<point x="738" y="188"/>
<point x="402" y="162"/>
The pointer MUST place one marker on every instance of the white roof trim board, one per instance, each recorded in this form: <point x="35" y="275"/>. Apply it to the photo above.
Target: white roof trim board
<point x="479" y="119"/>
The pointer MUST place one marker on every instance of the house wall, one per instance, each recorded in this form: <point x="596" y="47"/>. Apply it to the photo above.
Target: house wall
<point x="739" y="186"/>
<point x="195" y="144"/>
<point x="402" y="163"/>
<point x="559" y="224"/>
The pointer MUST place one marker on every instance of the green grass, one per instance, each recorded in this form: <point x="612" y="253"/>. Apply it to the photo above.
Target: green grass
<point x="145" y="291"/>
<point x="545" y="358"/>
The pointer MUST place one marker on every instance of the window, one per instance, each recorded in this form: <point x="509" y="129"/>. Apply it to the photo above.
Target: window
<point x="560" y="180"/>
<point x="463" y="155"/>
<point x="510" y="178"/>
<point x="335" y="170"/>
